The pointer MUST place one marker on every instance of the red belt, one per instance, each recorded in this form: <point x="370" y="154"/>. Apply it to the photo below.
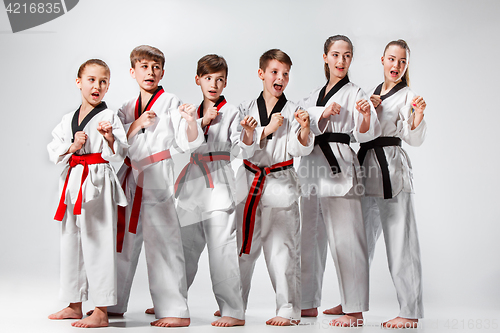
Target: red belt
<point x="74" y="160"/>
<point x="201" y="161"/>
<point x="254" y="198"/>
<point x="136" y="206"/>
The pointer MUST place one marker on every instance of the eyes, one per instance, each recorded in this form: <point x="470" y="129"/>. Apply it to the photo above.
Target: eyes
<point x="92" y="80"/>
<point x="218" y="80"/>
<point x="392" y="59"/>
<point x="285" y="74"/>
<point x="155" y="67"/>
<point x="337" y="55"/>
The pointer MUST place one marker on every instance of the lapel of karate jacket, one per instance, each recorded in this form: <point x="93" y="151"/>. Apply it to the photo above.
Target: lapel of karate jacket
<point x="220" y="103"/>
<point x="261" y="104"/>
<point x="152" y="100"/>
<point x="75" y="127"/>
<point x="391" y="92"/>
<point x="322" y="99"/>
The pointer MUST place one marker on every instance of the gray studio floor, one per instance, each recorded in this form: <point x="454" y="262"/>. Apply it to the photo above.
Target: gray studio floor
<point x="26" y="301"/>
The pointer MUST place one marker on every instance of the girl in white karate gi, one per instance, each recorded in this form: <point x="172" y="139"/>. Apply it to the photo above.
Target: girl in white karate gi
<point x="331" y="205"/>
<point x="388" y="201"/>
<point x="86" y="141"/>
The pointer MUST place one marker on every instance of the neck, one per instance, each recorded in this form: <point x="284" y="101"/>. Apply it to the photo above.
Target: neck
<point x="207" y="103"/>
<point x="388" y="85"/>
<point x="334" y="80"/>
<point x="146" y="94"/>
<point x="85" y="108"/>
<point x="270" y="101"/>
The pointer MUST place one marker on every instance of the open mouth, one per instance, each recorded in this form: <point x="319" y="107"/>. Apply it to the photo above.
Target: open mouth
<point x="213" y="92"/>
<point x="95" y="94"/>
<point x="394" y="73"/>
<point x="340" y="68"/>
<point x="150" y="81"/>
<point x="278" y="86"/>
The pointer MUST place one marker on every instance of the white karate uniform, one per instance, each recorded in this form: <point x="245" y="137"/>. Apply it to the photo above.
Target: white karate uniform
<point x="158" y="225"/>
<point x="277" y="220"/>
<point x="331" y="206"/>
<point x="396" y="216"/>
<point x="207" y="215"/>
<point x="88" y="240"/>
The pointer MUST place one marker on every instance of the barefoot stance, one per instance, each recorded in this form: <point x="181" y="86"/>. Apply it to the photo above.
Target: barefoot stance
<point x="217" y="313"/>
<point x="399" y="322"/>
<point x="150" y="311"/>
<point x="171" y="322"/>
<point x="70" y="312"/>
<point x="313" y="312"/>
<point x="280" y="321"/>
<point x="110" y="314"/>
<point x="349" y="320"/>
<point x="336" y="311"/>
<point x="99" y="318"/>
<point x="228" y="322"/>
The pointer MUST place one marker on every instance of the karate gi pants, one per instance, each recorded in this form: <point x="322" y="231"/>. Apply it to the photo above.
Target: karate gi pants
<point x="88" y="259"/>
<point x="396" y="217"/>
<point x="339" y="222"/>
<point x="218" y="232"/>
<point x="277" y="234"/>
<point x="159" y="228"/>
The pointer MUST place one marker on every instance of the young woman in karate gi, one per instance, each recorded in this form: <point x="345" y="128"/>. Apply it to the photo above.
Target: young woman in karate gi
<point x="388" y="201"/>
<point x="331" y="205"/>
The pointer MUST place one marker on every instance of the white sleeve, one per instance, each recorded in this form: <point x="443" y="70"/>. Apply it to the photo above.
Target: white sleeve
<point x="247" y="151"/>
<point x="179" y="125"/>
<point x="375" y="130"/>
<point x="295" y="148"/>
<point x="318" y="125"/>
<point x="120" y="146"/>
<point x="60" y="144"/>
<point x="234" y="133"/>
<point x="416" y="136"/>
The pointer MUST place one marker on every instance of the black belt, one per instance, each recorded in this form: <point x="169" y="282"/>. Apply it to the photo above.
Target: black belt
<point x="377" y="144"/>
<point x="323" y="140"/>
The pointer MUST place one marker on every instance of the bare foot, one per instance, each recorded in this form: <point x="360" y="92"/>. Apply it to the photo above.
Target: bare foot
<point x="399" y="322"/>
<point x="73" y="311"/>
<point x="313" y="312"/>
<point x="110" y="314"/>
<point x="280" y="321"/>
<point x="349" y="320"/>
<point x="171" y="322"/>
<point x="99" y="318"/>
<point x="217" y="313"/>
<point x="336" y="311"/>
<point x="228" y="322"/>
<point x="150" y="311"/>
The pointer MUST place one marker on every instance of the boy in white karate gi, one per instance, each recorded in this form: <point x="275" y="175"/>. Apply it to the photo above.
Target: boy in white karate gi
<point x="206" y="192"/>
<point x="86" y="141"/>
<point x="155" y="122"/>
<point x="274" y="131"/>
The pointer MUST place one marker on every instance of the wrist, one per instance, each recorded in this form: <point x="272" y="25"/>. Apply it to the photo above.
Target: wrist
<point x="204" y="122"/>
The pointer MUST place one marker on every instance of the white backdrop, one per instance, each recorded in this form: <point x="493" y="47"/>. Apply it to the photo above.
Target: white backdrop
<point x="453" y="66"/>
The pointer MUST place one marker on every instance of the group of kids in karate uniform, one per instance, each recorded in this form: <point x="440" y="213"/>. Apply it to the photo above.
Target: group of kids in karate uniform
<point x="345" y="199"/>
